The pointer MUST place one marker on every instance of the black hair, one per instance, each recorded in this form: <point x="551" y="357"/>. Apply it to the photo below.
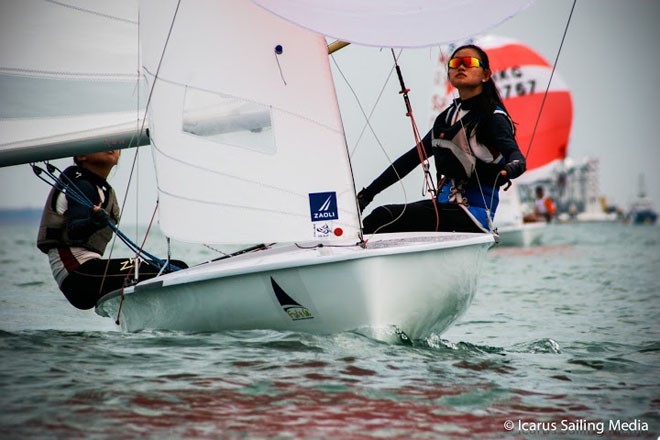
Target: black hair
<point x="491" y="97"/>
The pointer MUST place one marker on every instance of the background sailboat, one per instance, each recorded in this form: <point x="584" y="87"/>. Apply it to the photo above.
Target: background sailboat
<point x="248" y="146"/>
<point x="642" y="211"/>
<point x="542" y="111"/>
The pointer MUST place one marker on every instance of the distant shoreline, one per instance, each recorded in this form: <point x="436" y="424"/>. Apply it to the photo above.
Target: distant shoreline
<point x="20" y="216"/>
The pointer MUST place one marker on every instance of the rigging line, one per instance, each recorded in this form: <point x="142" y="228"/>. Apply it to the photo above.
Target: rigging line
<point x="359" y="103"/>
<point x="476" y="174"/>
<point x="69" y="188"/>
<point x="137" y="127"/>
<point x="423" y="157"/>
<point x="135" y="156"/>
<point x="160" y="63"/>
<point x="146" y="109"/>
<point x="373" y="132"/>
<point x="277" y="52"/>
<point x="380" y="144"/>
<point x="72" y="191"/>
<point x="552" y="73"/>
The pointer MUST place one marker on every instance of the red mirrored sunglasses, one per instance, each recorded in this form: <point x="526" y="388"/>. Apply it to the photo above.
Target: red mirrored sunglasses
<point x="466" y="61"/>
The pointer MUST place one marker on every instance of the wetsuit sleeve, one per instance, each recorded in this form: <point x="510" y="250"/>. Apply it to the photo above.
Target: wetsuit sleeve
<point x="81" y="220"/>
<point x="401" y="167"/>
<point x="504" y="138"/>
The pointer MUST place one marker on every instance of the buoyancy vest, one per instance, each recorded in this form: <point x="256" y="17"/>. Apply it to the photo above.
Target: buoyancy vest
<point x="457" y="155"/>
<point x="456" y="149"/>
<point x="53" y="228"/>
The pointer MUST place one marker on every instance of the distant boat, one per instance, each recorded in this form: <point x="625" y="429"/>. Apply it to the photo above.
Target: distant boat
<point x="642" y="211"/>
<point x="594" y="205"/>
<point x="513" y="226"/>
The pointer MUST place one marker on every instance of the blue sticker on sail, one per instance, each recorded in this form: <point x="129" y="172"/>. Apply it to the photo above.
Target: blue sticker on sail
<point x="323" y="206"/>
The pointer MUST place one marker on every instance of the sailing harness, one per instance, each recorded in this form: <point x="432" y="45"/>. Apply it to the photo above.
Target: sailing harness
<point x="65" y="185"/>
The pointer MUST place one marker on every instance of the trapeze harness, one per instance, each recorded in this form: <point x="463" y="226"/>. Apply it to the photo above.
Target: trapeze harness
<point x="75" y="236"/>
<point x="67" y="253"/>
<point x="468" y="172"/>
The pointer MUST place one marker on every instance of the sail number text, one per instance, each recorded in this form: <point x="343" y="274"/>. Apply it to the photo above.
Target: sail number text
<point x="511" y="82"/>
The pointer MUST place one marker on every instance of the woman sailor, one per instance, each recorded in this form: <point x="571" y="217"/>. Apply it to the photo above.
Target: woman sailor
<point x="475" y="152"/>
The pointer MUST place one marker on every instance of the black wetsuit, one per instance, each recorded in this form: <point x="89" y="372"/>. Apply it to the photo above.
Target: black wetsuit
<point x="452" y="216"/>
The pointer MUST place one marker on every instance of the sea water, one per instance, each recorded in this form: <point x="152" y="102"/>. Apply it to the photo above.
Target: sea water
<point x="561" y="341"/>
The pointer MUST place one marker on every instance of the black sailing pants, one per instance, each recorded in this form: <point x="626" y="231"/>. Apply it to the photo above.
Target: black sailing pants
<point x="419" y="216"/>
<point x="84" y="286"/>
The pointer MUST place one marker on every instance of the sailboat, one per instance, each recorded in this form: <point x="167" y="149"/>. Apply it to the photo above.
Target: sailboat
<point x="642" y="211"/>
<point x="248" y="146"/>
<point x="543" y="121"/>
<point x="513" y="221"/>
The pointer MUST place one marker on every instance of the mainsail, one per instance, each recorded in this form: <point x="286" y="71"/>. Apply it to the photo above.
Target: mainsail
<point x="69" y="81"/>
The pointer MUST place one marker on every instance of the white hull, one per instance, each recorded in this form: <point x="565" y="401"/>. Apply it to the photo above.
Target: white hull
<point x="523" y="235"/>
<point x="591" y="216"/>
<point x="415" y="283"/>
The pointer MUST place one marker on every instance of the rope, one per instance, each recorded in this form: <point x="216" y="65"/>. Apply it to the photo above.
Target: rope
<point x="423" y="157"/>
<point x="162" y="264"/>
<point x="373" y="132"/>
<point x="367" y="118"/>
<point x="71" y="191"/>
<point x="428" y="179"/>
<point x="552" y="73"/>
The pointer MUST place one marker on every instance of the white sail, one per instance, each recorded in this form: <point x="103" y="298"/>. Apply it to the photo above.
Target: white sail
<point x="247" y="137"/>
<point x="68" y="78"/>
<point x="396" y="23"/>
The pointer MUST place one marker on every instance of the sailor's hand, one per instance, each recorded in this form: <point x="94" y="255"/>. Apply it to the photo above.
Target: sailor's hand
<point x="514" y="169"/>
<point x="99" y="216"/>
<point x="364" y="197"/>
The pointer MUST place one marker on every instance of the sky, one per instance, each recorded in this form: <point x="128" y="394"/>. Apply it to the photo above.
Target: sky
<point x="609" y="61"/>
<point x="615" y="94"/>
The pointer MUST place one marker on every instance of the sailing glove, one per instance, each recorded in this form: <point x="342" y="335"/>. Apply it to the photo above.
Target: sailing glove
<point x="515" y="168"/>
<point x="99" y="217"/>
<point x="364" y="197"/>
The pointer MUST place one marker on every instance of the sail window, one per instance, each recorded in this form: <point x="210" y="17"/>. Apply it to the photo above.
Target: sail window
<point x="228" y="120"/>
